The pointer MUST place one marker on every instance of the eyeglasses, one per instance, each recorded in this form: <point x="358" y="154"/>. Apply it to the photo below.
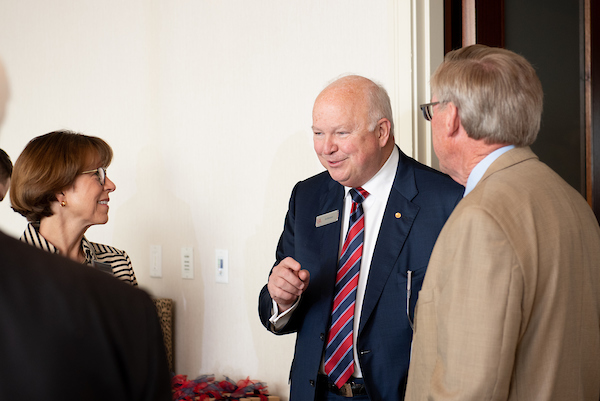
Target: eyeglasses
<point x="427" y="110"/>
<point x="100" y="171"/>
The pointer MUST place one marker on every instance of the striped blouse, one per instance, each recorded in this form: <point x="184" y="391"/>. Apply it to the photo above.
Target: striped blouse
<point x="118" y="260"/>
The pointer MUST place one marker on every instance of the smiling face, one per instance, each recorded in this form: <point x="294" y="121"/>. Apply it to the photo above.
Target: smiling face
<point x="87" y="199"/>
<point x="351" y="150"/>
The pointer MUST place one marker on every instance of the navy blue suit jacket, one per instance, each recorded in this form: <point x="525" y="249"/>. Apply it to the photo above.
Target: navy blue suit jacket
<point x="425" y="198"/>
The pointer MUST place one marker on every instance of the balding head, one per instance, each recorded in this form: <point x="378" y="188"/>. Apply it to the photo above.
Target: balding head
<point x="352" y="128"/>
<point x="374" y="95"/>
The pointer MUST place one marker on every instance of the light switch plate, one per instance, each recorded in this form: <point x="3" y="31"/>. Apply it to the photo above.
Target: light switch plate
<point x="222" y="266"/>
<point x="187" y="262"/>
<point x="155" y="261"/>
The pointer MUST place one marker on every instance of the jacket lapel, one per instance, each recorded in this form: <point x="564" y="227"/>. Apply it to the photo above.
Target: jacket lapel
<point x="329" y="234"/>
<point x="398" y="218"/>
<point x="327" y="240"/>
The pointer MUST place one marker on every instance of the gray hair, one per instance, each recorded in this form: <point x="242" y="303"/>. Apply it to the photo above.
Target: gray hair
<point x="497" y="93"/>
<point x="379" y="106"/>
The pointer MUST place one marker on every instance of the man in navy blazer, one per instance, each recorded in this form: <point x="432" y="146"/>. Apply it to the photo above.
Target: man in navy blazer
<point x="407" y="205"/>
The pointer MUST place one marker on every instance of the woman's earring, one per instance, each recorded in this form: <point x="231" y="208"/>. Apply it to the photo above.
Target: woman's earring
<point x="63" y="203"/>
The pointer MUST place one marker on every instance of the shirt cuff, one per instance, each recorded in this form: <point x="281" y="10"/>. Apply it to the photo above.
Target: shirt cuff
<point x="279" y="320"/>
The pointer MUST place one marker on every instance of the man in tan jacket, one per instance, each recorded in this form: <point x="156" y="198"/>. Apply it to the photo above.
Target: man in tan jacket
<point x="510" y="306"/>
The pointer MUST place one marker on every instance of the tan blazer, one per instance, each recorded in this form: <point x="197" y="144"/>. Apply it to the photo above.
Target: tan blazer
<point x="510" y="306"/>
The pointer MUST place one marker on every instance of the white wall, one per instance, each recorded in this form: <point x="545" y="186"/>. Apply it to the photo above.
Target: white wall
<point x="207" y="105"/>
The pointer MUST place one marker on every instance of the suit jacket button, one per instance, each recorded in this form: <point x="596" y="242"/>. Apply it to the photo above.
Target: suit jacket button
<point x="322" y="337"/>
<point x="312" y="382"/>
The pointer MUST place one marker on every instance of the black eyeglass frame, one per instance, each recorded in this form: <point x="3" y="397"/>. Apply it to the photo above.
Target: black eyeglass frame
<point x="427" y="109"/>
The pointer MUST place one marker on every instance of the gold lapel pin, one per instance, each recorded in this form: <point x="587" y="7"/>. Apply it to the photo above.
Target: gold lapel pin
<point x="398" y="215"/>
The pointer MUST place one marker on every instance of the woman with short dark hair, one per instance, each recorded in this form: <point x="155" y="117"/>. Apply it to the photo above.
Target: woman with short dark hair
<point x="59" y="184"/>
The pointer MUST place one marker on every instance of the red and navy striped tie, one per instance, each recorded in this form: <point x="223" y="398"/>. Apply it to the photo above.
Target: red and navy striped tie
<point x="339" y="358"/>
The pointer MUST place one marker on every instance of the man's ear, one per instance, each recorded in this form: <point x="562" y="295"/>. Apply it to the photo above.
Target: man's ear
<point x="452" y="121"/>
<point x="383" y="129"/>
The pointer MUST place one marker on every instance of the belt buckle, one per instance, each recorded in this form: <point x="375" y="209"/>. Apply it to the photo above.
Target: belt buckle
<point x="346" y="390"/>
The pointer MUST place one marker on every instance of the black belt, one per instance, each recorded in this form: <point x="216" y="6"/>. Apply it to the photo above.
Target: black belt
<point x="351" y="388"/>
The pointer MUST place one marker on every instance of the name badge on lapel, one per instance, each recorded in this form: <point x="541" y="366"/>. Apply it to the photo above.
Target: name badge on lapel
<point x="327" y="218"/>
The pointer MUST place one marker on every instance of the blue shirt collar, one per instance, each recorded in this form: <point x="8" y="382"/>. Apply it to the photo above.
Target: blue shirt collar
<point x="481" y="167"/>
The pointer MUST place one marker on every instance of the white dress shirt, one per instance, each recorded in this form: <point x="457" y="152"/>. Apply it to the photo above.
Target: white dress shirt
<point x="378" y="187"/>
